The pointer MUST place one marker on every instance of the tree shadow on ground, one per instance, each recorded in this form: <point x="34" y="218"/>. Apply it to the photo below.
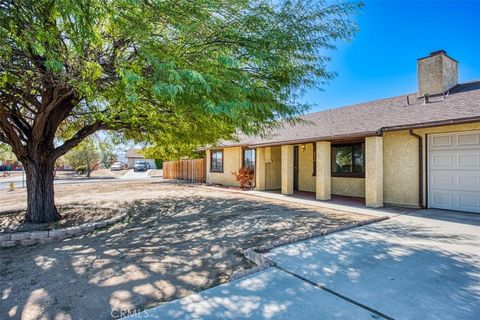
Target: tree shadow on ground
<point x="404" y="270"/>
<point x="168" y="249"/>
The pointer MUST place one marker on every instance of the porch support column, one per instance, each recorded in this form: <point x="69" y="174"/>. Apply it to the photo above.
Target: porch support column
<point x="374" y="172"/>
<point x="287" y="169"/>
<point x="207" y="166"/>
<point x="323" y="170"/>
<point x="260" y="169"/>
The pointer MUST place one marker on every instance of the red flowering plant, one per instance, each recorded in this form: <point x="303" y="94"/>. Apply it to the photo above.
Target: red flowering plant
<point x="245" y="177"/>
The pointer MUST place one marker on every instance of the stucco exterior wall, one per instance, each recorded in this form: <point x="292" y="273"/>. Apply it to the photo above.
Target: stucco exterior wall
<point x="306" y="180"/>
<point x="273" y="168"/>
<point x="351" y="187"/>
<point x="232" y="161"/>
<point x="401" y="166"/>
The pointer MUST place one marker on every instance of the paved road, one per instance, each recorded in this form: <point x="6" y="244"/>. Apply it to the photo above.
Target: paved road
<point x="425" y="265"/>
<point x="5" y="182"/>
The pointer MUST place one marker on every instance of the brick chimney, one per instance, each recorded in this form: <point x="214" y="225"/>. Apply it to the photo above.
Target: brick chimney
<point x="437" y="73"/>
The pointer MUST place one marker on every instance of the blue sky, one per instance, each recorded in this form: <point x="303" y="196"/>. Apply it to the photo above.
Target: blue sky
<point x="380" y="61"/>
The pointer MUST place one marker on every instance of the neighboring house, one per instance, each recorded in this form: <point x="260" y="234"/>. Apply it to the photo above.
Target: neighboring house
<point x="134" y="155"/>
<point x="420" y="149"/>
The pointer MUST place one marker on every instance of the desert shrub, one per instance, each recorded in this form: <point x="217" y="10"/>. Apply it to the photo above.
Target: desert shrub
<point x="81" y="169"/>
<point x="245" y="177"/>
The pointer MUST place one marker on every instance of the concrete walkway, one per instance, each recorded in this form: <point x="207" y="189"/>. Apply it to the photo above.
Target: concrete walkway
<point x="268" y="294"/>
<point x="425" y="265"/>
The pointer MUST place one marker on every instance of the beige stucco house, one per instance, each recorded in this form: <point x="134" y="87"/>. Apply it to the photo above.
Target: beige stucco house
<point x="134" y="155"/>
<point x="419" y="150"/>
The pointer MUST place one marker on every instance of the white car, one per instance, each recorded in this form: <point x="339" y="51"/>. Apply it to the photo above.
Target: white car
<point x="117" y="166"/>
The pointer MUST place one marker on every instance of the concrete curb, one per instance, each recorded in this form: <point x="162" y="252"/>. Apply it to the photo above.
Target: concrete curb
<point x="28" y="238"/>
<point x="244" y="273"/>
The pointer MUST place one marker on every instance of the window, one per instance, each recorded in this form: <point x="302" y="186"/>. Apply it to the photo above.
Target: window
<point x="216" y="161"/>
<point x="249" y="158"/>
<point x="348" y="160"/>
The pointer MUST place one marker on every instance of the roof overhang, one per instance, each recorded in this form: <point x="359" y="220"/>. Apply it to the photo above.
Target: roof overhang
<point x="432" y="124"/>
<point x="351" y="136"/>
<point x="313" y="139"/>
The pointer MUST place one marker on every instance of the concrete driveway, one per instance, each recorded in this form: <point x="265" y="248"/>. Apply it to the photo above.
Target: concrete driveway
<point x="135" y="175"/>
<point x="422" y="266"/>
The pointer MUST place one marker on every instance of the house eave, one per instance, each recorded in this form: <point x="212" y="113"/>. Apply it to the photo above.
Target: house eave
<point x="432" y="124"/>
<point x="322" y="138"/>
<point x="350" y="135"/>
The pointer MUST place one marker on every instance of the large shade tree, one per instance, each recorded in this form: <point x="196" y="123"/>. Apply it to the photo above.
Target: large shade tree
<point x="167" y="70"/>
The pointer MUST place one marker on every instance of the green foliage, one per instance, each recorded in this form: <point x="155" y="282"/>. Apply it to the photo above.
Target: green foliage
<point x="6" y="152"/>
<point x="159" y="163"/>
<point x="91" y="153"/>
<point x="178" y="74"/>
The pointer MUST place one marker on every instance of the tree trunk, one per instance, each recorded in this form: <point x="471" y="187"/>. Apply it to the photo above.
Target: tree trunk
<point x="40" y="192"/>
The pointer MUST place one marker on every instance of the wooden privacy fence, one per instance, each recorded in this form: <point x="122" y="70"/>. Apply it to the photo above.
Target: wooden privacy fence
<point x="191" y="170"/>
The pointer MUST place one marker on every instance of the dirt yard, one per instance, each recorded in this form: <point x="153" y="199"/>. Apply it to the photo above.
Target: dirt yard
<point x="71" y="217"/>
<point x="180" y="239"/>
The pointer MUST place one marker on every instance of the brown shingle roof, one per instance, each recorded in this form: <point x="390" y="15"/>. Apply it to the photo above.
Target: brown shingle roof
<point x="461" y="104"/>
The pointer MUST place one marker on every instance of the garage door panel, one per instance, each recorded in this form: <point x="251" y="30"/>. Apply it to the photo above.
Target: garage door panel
<point x="441" y="160"/>
<point x="469" y="201"/>
<point x="442" y="198"/>
<point x="469" y="182"/>
<point x="454" y="171"/>
<point x="442" y="141"/>
<point x="455" y="180"/>
<point x="468" y="139"/>
<point x="442" y="180"/>
<point x="455" y="141"/>
<point x="455" y="160"/>
<point x="468" y="160"/>
<point x="462" y="201"/>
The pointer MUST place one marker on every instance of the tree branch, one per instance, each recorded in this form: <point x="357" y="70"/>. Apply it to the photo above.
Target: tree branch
<point x="9" y="134"/>
<point x="77" y="138"/>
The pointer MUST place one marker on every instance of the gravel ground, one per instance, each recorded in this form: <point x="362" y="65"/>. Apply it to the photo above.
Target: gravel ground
<point x="180" y="239"/>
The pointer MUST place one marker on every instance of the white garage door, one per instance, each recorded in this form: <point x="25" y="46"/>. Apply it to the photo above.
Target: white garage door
<point x="454" y="171"/>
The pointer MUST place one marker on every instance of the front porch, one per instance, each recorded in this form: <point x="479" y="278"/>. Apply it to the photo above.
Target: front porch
<point x="343" y="171"/>
<point x="337" y="202"/>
